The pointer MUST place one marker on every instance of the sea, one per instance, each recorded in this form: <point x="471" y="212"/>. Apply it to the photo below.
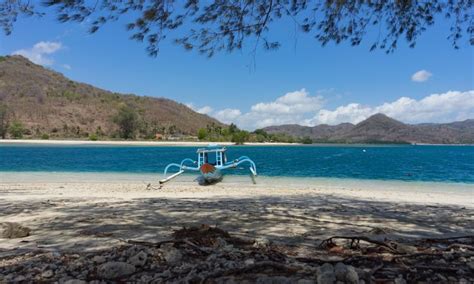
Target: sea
<point x="406" y="163"/>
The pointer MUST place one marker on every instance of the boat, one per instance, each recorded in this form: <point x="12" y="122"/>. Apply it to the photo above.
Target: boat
<point x="211" y="161"/>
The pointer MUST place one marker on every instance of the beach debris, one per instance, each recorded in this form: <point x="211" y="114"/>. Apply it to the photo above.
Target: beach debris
<point x="326" y="274"/>
<point x="346" y="273"/>
<point x="99" y="259"/>
<point x="75" y="281"/>
<point x="12" y="230"/>
<point x="209" y="254"/>
<point x="115" y="269"/>
<point x="139" y="259"/>
<point x="171" y="254"/>
<point x="47" y="274"/>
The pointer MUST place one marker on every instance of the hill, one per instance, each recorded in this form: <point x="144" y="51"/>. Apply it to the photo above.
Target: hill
<point x="380" y="128"/>
<point x="46" y="102"/>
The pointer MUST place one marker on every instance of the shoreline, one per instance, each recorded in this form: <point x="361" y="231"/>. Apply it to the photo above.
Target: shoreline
<point x="202" y="143"/>
<point x="288" y="181"/>
<point x="136" y="143"/>
<point x="233" y="186"/>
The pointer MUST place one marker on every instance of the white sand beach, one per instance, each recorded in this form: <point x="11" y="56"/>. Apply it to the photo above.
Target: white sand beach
<point x="92" y="211"/>
<point x="92" y="227"/>
<point x="133" y="143"/>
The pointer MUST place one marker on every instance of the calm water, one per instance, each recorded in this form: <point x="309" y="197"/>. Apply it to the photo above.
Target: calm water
<point x="409" y="163"/>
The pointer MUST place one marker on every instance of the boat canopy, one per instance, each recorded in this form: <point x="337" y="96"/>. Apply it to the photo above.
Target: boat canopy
<point x="205" y="155"/>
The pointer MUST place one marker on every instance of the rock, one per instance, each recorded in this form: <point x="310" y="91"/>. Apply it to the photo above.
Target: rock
<point x="399" y="280"/>
<point x="402" y="248"/>
<point x="220" y="243"/>
<point x="47" y="274"/>
<point x="352" y="277"/>
<point x="115" y="269"/>
<point x="448" y="255"/>
<point x="261" y="243"/>
<point x="273" y="280"/>
<point x="441" y="277"/>
<point x="99" y="259"/>
<point x="171" y="254"/>
<point x="10" y="230"/>
<point x="305" y="281"/>
<point x="225" y="280"/>
<point x="326" y="274"/>
<point x="340" y="270"/>
<point x="452" y="279"/>
<point x="327" y="267"/>
<point x="75" y="281"/>
<point x="326" y="278"/>
<point x="139" y="259"/>
<point x="20" y="278"/>
<point x="345" y="273"/>
<point x="470" y="264"/>
<point x="249" y="261"/>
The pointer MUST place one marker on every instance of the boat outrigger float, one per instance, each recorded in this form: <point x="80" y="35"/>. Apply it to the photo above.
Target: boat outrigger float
<point x="211" y="161"/>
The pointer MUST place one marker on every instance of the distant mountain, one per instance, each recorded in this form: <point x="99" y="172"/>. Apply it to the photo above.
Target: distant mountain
<point x="47" y="102"/>
<point x="380" y="128"/>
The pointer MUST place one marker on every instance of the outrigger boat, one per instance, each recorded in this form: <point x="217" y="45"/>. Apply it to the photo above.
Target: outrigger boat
<point x="211" y="161"/>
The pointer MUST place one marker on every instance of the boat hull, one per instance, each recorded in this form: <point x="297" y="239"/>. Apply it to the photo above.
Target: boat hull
<point x="209" y="175"/>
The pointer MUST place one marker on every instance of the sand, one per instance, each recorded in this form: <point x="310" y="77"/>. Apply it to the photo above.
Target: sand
<point x="134" y="143"/>
<point x="78" y="212"/>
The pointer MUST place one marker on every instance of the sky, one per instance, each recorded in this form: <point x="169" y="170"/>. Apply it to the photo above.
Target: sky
<point x="302" y="82"/>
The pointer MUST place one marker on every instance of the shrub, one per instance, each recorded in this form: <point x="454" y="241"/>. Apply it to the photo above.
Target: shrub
<point x="93" y="137"/>
<point x="202" y="133"/>
<point x="16" y="130"/>
<point x="127" y="121"/>
<point x="3" y="121"/>
<point x="45" y="136"/>
<point x="306" y="140"/>
<point x="240" y="137"/>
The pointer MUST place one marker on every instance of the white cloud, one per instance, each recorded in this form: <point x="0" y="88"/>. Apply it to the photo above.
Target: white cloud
<point x="300" y="108"/>
<point x="205" y="110"/>
<point x="40" y="52"/>
<point x="67" y="66"/>
<point x="228" y="115"/>
<point x="293" y="107"/>
<point x="291" y="103"/>
<point x="350" y="113"/>
<point x="445" y="107"/>
<point x="421" y="76"/>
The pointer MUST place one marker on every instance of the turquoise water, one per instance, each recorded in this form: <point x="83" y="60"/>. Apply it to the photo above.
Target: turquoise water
<point x="406" y="163"/>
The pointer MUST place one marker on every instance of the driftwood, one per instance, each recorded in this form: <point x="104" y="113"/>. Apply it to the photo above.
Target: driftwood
<point x="449" y="238"/>
<point x="176" y="242"/>
<point x="355" y="241"/>
<point x="152" y="244"/>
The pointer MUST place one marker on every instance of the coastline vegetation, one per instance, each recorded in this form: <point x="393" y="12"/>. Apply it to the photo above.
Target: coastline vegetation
<point x="131" y="125"/>
<point x="232" y="133"/>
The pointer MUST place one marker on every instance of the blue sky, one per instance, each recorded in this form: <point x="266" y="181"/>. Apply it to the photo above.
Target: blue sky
<point x="301" y="82"/>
